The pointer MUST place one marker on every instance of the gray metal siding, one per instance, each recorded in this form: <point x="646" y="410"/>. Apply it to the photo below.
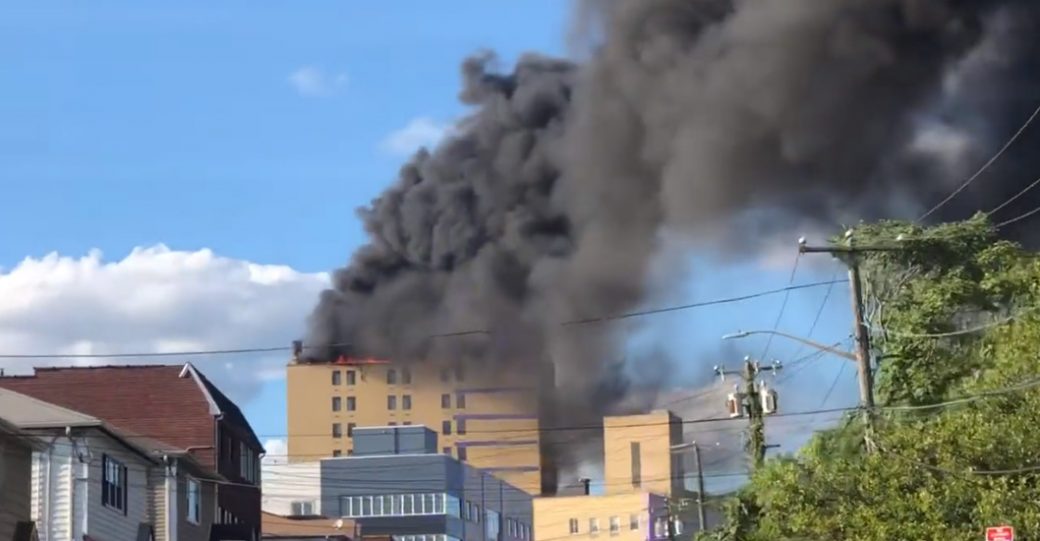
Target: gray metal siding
<point x="397" y="440"/>
<point x="357" y="476"/>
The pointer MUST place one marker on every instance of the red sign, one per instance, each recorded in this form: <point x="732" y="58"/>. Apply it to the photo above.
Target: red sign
<point x="1000" y="533"/>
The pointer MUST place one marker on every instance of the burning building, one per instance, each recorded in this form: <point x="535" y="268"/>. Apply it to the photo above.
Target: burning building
<point x="478" y="419"/>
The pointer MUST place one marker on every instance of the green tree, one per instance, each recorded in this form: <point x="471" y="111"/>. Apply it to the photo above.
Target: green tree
<point x="945" y="471"/>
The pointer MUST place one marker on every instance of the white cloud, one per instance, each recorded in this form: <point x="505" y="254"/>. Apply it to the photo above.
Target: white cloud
<point x="311" y="81"/>
<point x="157" y="300"/>
<point x="277" y="451"/>
<point x="419" y="132"/>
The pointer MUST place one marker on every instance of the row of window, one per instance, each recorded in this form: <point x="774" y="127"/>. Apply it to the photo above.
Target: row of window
<point x="446" y="427"/>
<point x="426" y="537"/>
<point x="396" y="505"/>
<point x="518" y="530"/>
<point x="392" y="376"/>
<point x="660" y="525"/>
<point x="391" y="402"/>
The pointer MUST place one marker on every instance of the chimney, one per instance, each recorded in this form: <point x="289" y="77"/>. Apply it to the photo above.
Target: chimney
<point x="297" y="349"/>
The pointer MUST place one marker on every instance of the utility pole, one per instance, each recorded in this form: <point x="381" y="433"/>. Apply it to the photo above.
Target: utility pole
<point x="700" y="485"/>
<point x="756" y="401"/>
<point x="862" y="334"/>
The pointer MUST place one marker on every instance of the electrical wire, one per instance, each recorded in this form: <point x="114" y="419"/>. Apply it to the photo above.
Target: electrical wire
<point x="1017" y="218"/>
<point x="970" y="330"/>
<point x="584" y="321"/>
<point x="783" y="306"/>
<point x="984" y="167"/>
<point x="1013" y="198"/>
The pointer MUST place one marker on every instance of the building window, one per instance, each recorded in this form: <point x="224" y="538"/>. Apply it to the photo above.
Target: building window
<point x="633" y="522"/>
<point x="350" y="452"/>
<point x="661" y="527"/>
<point x="459" y="374"/>
<point x="462" y="453"/>
<point x="461" y="428"/>
<point x="337" y="403"/>
<point x="247" y="463"/>
<point x="491" y="524"/>
<point x="391" y="377"/>
<point x="386" y="505"/>
<point x="391" y="402"/>
<point x="113" y="484"/>
<point x="446" y="451"/>
<point x="637" y="465"/>
<point x="446" y="401"/>
<point x="615" y="525"/>
<point x="337" y="430"/>
<point x="350" y="429"/>
<point x="336" y="377"/>
<point x="406" y="376"/>
<point x="460" y="401"/>
<point x="391" y="423"/>
<point x="406" y="402"/>
<point x="446" y="428"/>
<point x="445" y="375"/>
<point x="351" y="377"/>
<point x="351" y="403"/>
<point x="593" y="526"/>
<point x="194" y="501"/>
<point x="407" y="423"/>
<point x="303" y="509"/>
<point x="574" y="526"/>
<point x="337" y="453"/>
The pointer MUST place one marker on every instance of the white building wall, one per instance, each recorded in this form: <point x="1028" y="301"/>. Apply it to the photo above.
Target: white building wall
<point x="107" y="523"/>
<point x="283" y="484"/>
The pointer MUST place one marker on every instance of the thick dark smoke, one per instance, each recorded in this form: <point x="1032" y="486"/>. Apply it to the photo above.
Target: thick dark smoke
<point x="708" y="120"/>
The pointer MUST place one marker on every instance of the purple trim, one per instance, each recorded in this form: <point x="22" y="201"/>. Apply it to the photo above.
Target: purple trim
<point x="491" y="390"/>
<point x="494" y="416"/>
<point x="512" y="468"/>
<point x="495" y="443"/>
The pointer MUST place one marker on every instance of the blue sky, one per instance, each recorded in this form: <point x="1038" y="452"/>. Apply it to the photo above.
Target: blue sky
<point x="255" y="130"/>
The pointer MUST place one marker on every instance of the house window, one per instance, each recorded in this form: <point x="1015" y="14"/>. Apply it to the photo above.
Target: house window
<point x="446" y="428"/>
<point x="351" y="403"/>
<point x="391" y="376"/>
<point x="615" y="525"/>
<point x="460" y="401"/>
<point x="633" y="522"/>
<point x="462" y="453"/>
<point x="337" y="430"/>
<point x="350" y="429"/>
<point x="194" y="501"/>
<point x="574" y="526"/>
<point x="337" y="377"/>
<point x="461" y="428"/>
<point x="446" y="401"/>
<point x="337" y="403"/>
<point x="391" y="402"/>
<point x="247" y="463"/>
<point x="337" y="453"/>
<point x="351" y="377"/>
<point x="113" y="484"/>
<point x="303" y="508"/>
<point x="406" y="376"/>
<point x="593" y="526"/>
<point x="406" y="402"/>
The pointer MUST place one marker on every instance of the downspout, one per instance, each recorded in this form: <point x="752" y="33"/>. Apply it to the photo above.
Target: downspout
<point x="172" y="517"/>
<point x="46" y="514"/>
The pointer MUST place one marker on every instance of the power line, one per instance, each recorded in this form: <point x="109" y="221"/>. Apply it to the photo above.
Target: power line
<point x="970" y="330"/>
<point x="272" y="349"/>
<point x="984" y="167"/>
<point x="1013" y="198"/>
<point x="783" y="306"/>
<point x="1017" y="218"/>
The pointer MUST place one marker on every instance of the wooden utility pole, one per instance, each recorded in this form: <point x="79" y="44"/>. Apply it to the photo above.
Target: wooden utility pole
<point x="749" y="402"/>
<point x="700" y="486"/>
<point x="850" y="256"/>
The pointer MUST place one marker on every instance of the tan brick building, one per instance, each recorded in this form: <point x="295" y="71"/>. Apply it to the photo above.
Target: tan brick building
<point x="489" y="418"/>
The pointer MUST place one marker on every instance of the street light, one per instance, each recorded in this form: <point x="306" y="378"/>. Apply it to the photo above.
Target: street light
<point x="816" y="345"/>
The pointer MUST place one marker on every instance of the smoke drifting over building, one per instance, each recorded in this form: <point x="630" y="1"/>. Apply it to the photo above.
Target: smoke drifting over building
<point x="710" y="120"/>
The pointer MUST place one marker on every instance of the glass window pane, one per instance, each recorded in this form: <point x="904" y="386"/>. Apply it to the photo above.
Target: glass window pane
<point x="406" y="508"/>
<point x="398" y="502"/>
<point x="387" y="505"/>
<point x="366" y="506"/>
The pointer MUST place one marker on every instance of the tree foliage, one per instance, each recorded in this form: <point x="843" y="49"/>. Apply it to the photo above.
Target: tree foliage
<point x="954" y="322"/>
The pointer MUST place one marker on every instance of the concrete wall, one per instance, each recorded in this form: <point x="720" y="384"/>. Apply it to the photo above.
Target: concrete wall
<point x="553" y="516"/>
<point x="15" y="483"/>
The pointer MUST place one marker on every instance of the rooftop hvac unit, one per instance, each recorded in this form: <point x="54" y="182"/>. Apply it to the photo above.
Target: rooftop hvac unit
<point x="768" y="398"/>
<point x="735" y="405"/>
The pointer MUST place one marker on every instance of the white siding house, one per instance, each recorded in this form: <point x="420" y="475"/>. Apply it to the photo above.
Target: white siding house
<point x="291" y="489"/>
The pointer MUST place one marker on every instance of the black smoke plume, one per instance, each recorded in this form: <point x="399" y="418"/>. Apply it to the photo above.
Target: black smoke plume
<point x="713" y="121"/>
